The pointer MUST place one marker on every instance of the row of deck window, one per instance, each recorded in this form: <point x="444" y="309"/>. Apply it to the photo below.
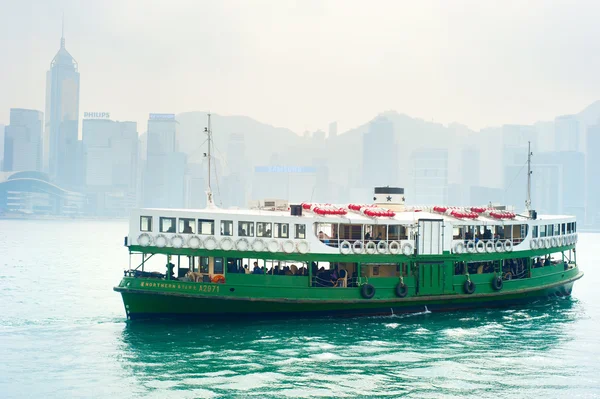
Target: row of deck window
<point x="207" y="227"/>
<point x="557" y="229"/>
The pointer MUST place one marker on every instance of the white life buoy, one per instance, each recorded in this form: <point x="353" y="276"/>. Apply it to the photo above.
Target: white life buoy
<point x="382" y="247"/>
<point x="489" y="247"/>
<point x="258" y="245"/>
<point x="210" y="243"/>
<point x="303" y="247"/>
<point x="407" y="249"/>
<point x="177" y="241"/>
<point x="554" y="242"/>
<point x="371" y="247"/>
<point x="288" y="246"/>
<point x="345" y="247"/>
<point x="242" y="244"/>
<point x="459" y="248"/>
<point x="273" y="246"/>
<point x="394" y="247"/>
<point x="358" y="247"/>
<point x="194" y="242"/>
<point x="226" y="244"/>
<point x="508" y="245"/>
<point x="499" y="246"/>
<point x="480" y="247"/>
<point x="564" y="240"/>
<point x="548" y="243"/>
<point x="471" y="247"/>
<point x="161" y="241"/>
<point x="144" y="239"/>
<point x="533" y="243"/>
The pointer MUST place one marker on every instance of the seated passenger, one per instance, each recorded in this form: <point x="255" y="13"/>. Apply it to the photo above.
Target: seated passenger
<point x="487" y="234"/>
<point x="547" y="262"/>
<point x="368" y="237"/>
<point x="187" y="229"/>
<point x="256" y="269"/>
<point x="171" y="229"/>
<point x="323" y="237"/>
<point x="378" y="238"/>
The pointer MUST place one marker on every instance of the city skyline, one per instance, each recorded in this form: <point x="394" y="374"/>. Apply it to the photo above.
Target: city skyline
<point x="404" y="46"/>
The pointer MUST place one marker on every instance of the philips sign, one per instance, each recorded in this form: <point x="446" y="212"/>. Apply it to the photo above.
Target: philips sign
<point x="162" y="116"/>
<point x="96" y="115"/>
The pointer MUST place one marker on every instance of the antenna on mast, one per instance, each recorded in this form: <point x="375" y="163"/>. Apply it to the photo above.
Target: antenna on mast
<point x="209" y="196"/>
<point x="528" y="200"/>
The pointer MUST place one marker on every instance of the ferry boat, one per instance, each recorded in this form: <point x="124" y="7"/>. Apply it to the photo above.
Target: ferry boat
<point x="300" y="260"/>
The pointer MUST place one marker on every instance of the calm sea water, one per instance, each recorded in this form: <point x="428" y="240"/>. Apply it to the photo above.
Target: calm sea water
<point x="63" y="335"/>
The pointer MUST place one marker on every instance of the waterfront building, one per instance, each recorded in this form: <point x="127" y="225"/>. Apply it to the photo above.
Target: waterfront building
<point x="429" y="176"/>
<point x="23" y="140"/>
<point x="333" y="130"/>
<point x="380" y="154"/>
<point x="60" y="148"/>
<point x="566" y="133"/>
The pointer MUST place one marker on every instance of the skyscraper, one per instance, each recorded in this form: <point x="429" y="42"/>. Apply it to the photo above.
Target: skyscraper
<point x="429" y="177"/>
<point x="566" y="133"/>
<point x="380" y="155"/>
<point x="60" y="149"/>
<point x="23" y="140"/>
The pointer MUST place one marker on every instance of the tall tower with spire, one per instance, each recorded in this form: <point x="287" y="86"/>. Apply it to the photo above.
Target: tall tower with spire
<point x="61" y="146"/>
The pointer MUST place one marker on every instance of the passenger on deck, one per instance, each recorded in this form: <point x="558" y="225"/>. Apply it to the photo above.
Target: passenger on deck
<point x="378" y="237"/>
<point x="245" y="270"/>
<point x="368" y="236"/>
<point x="487" y="234"/>
<point x="323" y="237"/>
<point x="171" y="229"/>
<point x="547" y="261"/>
<point x="256" y="269"/>
<point x="187" y="229"/>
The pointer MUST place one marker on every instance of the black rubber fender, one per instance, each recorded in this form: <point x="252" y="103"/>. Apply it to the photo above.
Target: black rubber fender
<point x="469" y="287"/>
<point x="497" y="283"/>
<point x="401" y="290"/>
<point x="367" y="291"/>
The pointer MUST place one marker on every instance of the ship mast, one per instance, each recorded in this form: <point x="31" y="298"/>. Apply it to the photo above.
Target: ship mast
<point x="209" y="195"/>
<point x="528" y="200"/>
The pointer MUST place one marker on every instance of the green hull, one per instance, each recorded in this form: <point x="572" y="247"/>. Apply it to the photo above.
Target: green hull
<point x="260" y="296"/>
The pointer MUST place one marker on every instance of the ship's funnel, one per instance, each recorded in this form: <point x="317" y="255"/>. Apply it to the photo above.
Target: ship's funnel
<point x="389" y="197"/>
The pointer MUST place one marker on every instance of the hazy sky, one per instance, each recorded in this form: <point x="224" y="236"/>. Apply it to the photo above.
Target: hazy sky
<point x="303" y="64"/>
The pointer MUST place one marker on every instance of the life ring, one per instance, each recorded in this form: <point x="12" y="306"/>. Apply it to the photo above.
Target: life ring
<point x="499" y="246"/>
<point x="303" y="247"/>
<point x="382" y="247"/>
<point x="469" y="287"/>
<point x="497" y="283"/>
<point x="345" y="247"/>
<point x="258" y="245"/>
<point x="459" y="248"/>
<point x="471" y="247"/>
<point x="480" y="247"/>
<point x="508" y="245"/>
<point x="401" y="290"/>
<point x="564" y="240"/>
<point x="161" y="241"/>
<point x="394" y="247"/>
<point x="144" y="239"/>
<point x="367" y="291"/>
<point x="177" y="241"/>
<point x="407" y="249"/>
<point x="273" y="246"/>
<point x="554" y="242"/>
<point x="218" y="279"/>
<point x="227" y="244"/>
<point x="548" y="243"/>
<point x="533" y="244"/>
<point x="358" y="247"/>
<point x="371" y="247"/>
<point x="194" y="242"/>
<point x="489" y="247"/>
<point x="210" y="243"/>
<point x="242" y="244"/>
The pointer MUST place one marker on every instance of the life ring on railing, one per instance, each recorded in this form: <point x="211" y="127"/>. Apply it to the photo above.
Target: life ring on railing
<point x="358" y="247"/>
<point x="554" y="242"/>
<point x="508" y="245"/>
<point x="218" y="279"/>
<point x="288" y="246"/>
<point x="242" y="244"/>
<point x="471" y="247"/>
<point x="144" y="239"/>
<point x="401" y="290"/>
<point x="394" y="247"/>
<point x="194" y="242"/>
<point x="371" y="247"/>
<point x="273" y="246"/>
<point x="345" y="247"/>
<point x="499" y="246"/>
<point x="489" y="247"/>
<point x="227" y="244"/>
<point x="367" y="291"/>
<point x="177" y="241"/>
<point x="407" y="249"/>
<point x="564" y="240"/>
<point x="497" y="283"/>
<point x="459" y="248"/>
<point x="303" y="247"/>
<point x="548" y="243"/>
<point x="480" y="246"/>
<point x="469" y="287"/>
<point x="382" y="247"/>
<point x="161" y="241"/>
<point x="210" y="243"/>
<point x="533" y="243"/>
<point x="258" y="245"/>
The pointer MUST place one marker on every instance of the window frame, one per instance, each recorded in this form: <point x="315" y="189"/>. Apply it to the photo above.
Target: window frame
<point x="249" y="231"/>
<point x="222" y="261"/>
<point x="212" y="227"/>
<point x="299" y="229"/>
<point x="201" y="266"/>
<point x="222" y="230"/>
<point x="192" y="223"/>
<point x="277" y="228"/>
<point x="261" y="231"/>
<point x="162" y="219"/>
<point x="148" y="219"/>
